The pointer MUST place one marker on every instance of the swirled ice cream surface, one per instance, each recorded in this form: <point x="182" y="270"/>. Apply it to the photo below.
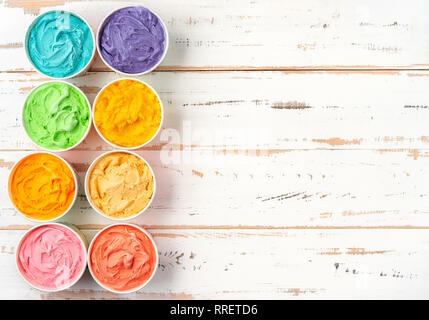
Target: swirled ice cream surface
<point x="42" y="186"/>
<point x="60" y="44"/>
<point x="132" y="40"/>
<point x="56" y="116"/>
<point x="122" y="258"/>
<point x="51" y="257"/>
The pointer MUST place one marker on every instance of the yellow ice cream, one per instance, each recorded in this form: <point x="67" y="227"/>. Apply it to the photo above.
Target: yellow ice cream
<point x="127" y="113"/>
<point x="120" y="185"/>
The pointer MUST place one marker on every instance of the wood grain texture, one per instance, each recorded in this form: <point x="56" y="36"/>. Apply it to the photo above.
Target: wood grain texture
<point x="271" y="111"/>
<point x="249" y="34"/>
<point x="294" y="153"/>
<point x="312" y="188"/>
<point x="262" y="264"/>
<point x="265" y="149"/>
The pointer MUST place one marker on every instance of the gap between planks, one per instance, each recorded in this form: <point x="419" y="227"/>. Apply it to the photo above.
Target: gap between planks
<point x="232" y="227"/>
<point x="264" y="152"/>
<point x="301" y="69"/>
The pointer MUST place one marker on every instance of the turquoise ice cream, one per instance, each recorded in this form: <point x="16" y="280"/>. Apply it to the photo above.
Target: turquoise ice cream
<point x="60" y="44"/>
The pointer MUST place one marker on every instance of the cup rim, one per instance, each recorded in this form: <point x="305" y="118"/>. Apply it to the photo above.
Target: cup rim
<point x="134" y="226"/>
<point x="160" y="123"/>
<point x="58" y="157"/>
<point x="88" y="195"/>
<point x="67" y="226"/>
<point x="167" y="41"/>
<point x="89" y="109"/>
<point x="27" y="35"/>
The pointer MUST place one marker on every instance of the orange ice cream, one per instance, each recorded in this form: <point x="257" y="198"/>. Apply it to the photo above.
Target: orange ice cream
<point x="120" y="185"/>
<point x="127" y="113"/>
<point x="122" y="258"/>
<point x="42" y="186"/>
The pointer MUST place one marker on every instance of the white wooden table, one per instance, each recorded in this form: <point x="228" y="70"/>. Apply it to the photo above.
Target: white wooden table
<point x="302" y="133"/>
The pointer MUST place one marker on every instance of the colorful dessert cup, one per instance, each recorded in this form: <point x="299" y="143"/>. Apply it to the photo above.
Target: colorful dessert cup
<point x="128" y="113"/>
<point x="52" y="257"/>
<point x="122" y="258"/>
<point x="132" y="40"/>
<point x="60" y="44"/>
<point x="42" y="186"/>
<point x="57" y="116"/>
<point x="120" y="185"/>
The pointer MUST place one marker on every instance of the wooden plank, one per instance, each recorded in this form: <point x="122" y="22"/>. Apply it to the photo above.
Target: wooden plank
<point x="295" y="184"/>
<point x="294" y="189"/>
<point x="264" y="149"/>
<point x="260" y="110"/>
<point x="262" y="264"/>
<point x="241" y="35"/>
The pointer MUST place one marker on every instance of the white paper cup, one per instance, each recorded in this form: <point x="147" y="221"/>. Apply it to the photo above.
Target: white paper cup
<point x="154" y="246"/>
<point x="75" y="231"/>
<point x="89" y="122"/>
<point x="100" y="27"/>
<point x="88" y="195"/>
<point x="12" y="171"/>
<point x="79" y="73"/>
<point x="115" y="145"/>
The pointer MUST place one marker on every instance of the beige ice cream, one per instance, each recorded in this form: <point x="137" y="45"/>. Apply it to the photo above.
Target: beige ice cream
<point x="120" y="185"/>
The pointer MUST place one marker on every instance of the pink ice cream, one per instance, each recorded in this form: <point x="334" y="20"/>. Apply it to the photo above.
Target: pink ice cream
<point x="51" y="257"/>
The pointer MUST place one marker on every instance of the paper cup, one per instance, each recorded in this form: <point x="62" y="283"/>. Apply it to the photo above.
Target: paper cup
<point x="79" y="236"/>
<point x="89" y="110"/>
<point x="100" y="28"/>
<point x="88" y="195"/>
<point x="15" y="166"/>
<point x="111" y="143"/>
<point x="154" y="247"/>
<point x="79" y="73"/>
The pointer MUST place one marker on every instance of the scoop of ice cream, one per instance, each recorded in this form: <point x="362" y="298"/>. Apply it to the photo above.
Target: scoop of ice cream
<point x="56" y="116"/>
<point x="51" y="257"/>
<point x="60" y="44"/>
<point x="120" y="185"/>
<point x="122" y="258"/>
<point x="132" y="40"/>
<point x="42" y="186"/>
<point x="127" y="113"/>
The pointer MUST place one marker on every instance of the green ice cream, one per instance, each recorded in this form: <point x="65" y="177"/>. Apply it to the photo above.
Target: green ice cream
<point x="56" y="116"/>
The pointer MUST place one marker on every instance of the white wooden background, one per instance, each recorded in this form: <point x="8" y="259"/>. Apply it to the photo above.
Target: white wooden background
<point x="307" y="171"/>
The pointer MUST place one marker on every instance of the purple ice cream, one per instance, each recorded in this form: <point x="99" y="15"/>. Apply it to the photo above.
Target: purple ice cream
<point x="132" y="40"/>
